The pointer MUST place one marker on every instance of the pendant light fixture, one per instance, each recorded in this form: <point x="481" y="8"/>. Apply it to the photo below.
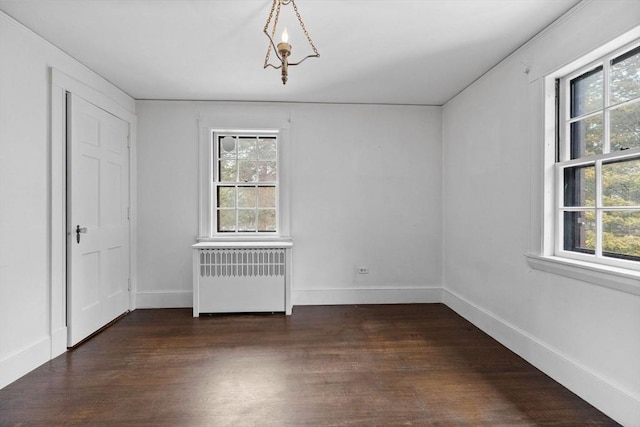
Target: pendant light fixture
<point x="283" y="49"/>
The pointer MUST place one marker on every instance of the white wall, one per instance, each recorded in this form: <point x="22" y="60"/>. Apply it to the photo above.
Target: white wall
<point x="25" y="202"/>
<point x="366" y="191"/>
<point x="357" y="172"/>
<point x="584" y="335"/>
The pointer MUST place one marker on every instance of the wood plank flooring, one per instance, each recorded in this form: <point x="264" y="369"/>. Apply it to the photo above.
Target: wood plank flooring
<point x="371" y="365"/>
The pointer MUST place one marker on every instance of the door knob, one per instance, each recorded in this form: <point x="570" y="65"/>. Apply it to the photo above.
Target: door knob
<point x="79" y="230"/>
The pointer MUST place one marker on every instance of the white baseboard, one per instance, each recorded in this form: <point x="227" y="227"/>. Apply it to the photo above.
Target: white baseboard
<point x="164" y="299"/>
<point x="58" y="342"/>
<point x="366" y="296"/>
<point x="24" y="361"/>
<point x="181" y="299"/>
<point x="619" y="404"/>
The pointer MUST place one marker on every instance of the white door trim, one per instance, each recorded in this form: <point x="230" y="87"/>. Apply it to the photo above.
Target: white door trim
<point x="60" y="84"/>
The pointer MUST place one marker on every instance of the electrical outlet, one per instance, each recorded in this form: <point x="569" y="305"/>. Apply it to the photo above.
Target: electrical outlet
<point x="363" y="270"/>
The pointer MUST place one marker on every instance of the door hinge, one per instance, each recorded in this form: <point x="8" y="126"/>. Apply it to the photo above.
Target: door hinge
<point x="129" y="284"/>
<point x="128" y="213"/>
<point x="129" y="141"/>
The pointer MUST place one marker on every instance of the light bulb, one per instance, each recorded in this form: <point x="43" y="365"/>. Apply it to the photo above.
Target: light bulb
<point x="285" y="36"/>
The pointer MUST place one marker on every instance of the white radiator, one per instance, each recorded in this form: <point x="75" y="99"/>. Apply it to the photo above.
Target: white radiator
<point x="241" y="277"/>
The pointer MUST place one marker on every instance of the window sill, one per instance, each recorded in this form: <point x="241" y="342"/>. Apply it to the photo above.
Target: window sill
<point x="621" y="279"/>
<point x="244" y="242"/>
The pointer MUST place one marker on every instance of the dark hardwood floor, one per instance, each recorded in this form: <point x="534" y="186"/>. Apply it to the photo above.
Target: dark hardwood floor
<point x="372" y="365"/>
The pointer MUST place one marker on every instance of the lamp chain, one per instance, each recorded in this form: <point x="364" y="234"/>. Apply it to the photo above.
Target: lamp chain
<point x="295" y="8"/>
<point x="273" y="32"/>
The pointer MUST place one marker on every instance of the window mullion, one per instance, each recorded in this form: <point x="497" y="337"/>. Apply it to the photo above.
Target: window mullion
<point x="565" y="148"/>
<point x="236" y="206"/>
<point x="584" y="116"/>
<point x="606" y="148"/>
<point x="214" y="181"/>
<point x="236" y="212"/>
<point x="606" y="143"/>
<point x="559" y="237"/>
<point x="213" y="205"/>
<point x="598" y="208"/>
<point x="255" y="203"/>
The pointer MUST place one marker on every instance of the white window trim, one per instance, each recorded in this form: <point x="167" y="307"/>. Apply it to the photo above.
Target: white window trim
<point x="208" y="126"/>
<point x="621" y="279"/>
<point x="543" y="254"/>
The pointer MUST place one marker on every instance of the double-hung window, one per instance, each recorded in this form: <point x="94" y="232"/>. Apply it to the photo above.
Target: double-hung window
<point x="244" y="183"/>
<point x="597" y="168"/>
<point x="244" y="166"/>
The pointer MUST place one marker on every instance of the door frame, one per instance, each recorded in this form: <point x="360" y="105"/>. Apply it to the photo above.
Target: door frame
<point x="60" y="85"/>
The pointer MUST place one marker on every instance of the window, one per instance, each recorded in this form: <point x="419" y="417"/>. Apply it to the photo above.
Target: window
<point x="597" y="168"/>
<point x="244" y="187"/>
<point x="244" y="169"/>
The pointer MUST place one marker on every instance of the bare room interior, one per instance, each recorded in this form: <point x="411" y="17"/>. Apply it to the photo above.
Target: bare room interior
<point x="320" y="212"/>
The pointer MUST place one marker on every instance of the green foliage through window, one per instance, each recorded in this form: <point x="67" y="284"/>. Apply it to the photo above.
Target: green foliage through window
<point x="246" y="182"/>
<point x="600" y="209"/>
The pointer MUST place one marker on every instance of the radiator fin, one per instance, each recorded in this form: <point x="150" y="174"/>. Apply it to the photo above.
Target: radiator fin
<point x="242" y="262"/>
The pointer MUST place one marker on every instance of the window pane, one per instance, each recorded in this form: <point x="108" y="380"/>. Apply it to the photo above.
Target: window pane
<point x="227" y="148"/>
<point x="625" y="76"/>
<point x="267" y="149"/>
<point x="227" y="170"/>
<point x="587" y="137"/>
<point x="621" y="234"/>
<point x="625" y="127"/>
<point x="245" y="182"/>
<point x="226" y="220"/>
<point x="580" y="186"/>
<point x="246" y="197"/>
<point x="267" y="171"/>
<point x="247" y="148"/>
<point x="248" y="170"/>
<point x="226" y="197"/>
<point x="246" y="220"/>
<point x="267" y="197"/>
<point x="579" y="231"/>
<point x="266" y="220"/>
<point x="586" y="93"/>
<point x="621" y="183"/>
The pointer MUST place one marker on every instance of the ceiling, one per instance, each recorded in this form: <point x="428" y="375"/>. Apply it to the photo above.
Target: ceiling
<point x="371" y="51"/>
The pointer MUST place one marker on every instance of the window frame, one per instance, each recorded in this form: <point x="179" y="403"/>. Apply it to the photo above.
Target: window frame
<point x="215" y="182"/>
<point x="544" y="153"/>
<point x="271" y="122"/>
<point x="564" y="160"/>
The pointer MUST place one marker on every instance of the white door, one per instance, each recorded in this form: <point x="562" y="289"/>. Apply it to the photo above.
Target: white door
<point x="97" y="218"/>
